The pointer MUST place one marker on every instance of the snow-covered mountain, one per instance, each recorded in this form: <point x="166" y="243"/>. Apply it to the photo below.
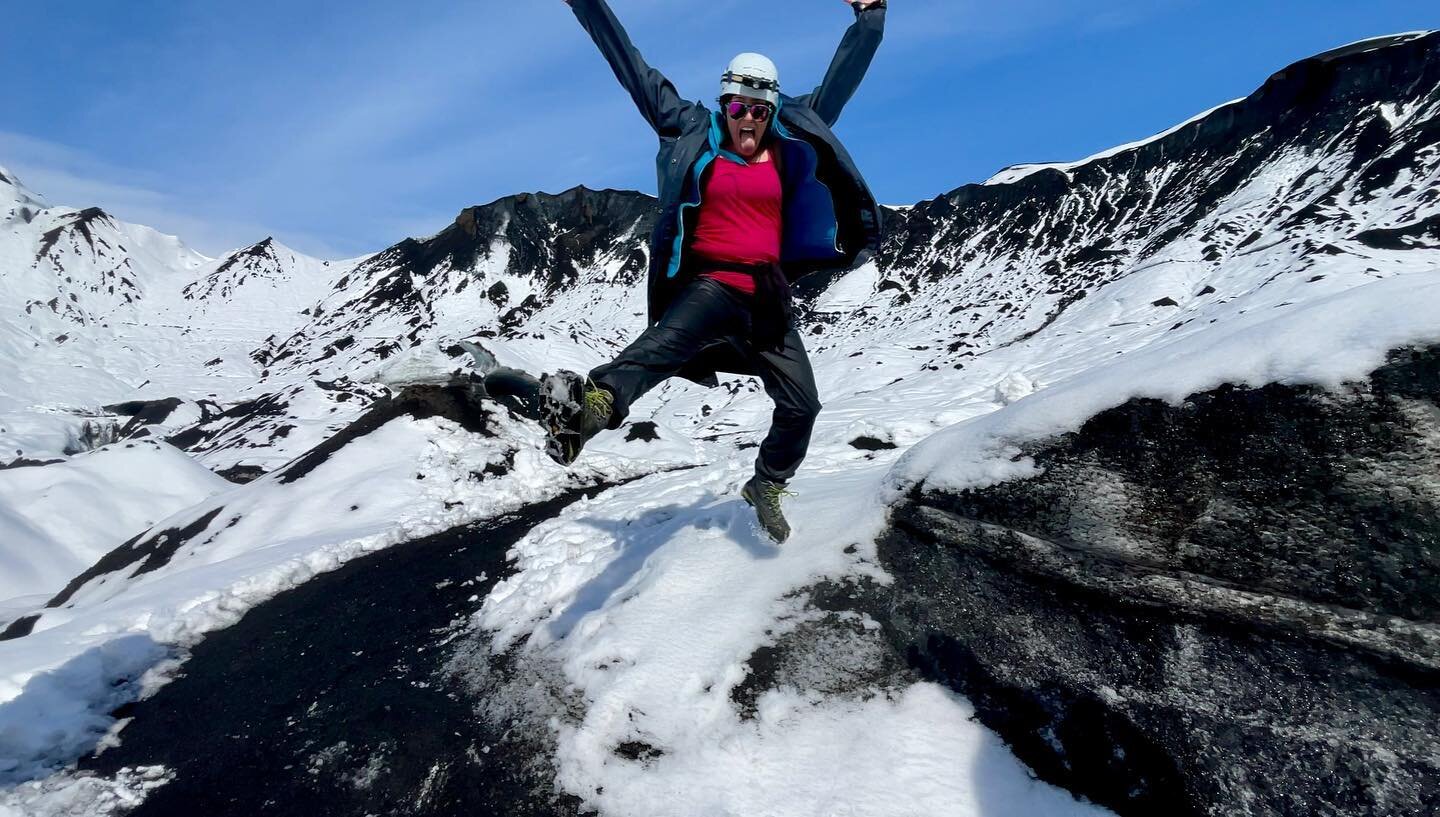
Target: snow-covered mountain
<point x="1289" y="237"/>
<point x="1328" y="169"/>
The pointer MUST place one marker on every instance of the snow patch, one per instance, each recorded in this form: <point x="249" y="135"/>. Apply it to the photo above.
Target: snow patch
<point x="653" y="596"/>
<point x="71" y="794"/>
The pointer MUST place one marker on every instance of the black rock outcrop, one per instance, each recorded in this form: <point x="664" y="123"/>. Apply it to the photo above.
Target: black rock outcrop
<point x="353" y="694"/>
<point x="547" y="238"/>
<point x="1229" y="606"/>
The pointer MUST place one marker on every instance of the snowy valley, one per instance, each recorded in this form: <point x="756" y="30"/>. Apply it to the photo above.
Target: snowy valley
<point x="1123" y="500"/>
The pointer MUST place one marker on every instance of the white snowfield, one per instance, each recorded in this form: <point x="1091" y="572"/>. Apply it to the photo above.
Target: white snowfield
<point x="650" y="598"/>
<point x="68" y="514"/>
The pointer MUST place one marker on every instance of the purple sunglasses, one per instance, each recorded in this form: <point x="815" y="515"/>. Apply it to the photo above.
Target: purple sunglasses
<point x="736" y="110"/>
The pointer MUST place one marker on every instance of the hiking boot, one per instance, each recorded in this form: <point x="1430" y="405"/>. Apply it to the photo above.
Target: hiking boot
<point x="764" y="496"/>
<point x="574" y="409"/>
<point x="598" y="404"/>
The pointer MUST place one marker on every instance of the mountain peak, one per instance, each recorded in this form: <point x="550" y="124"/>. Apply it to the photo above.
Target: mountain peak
<point x="13" y="193"/>
<point x="266" y="254"/>
<point x="573" y="208"/>
<point x="541" y="198"/>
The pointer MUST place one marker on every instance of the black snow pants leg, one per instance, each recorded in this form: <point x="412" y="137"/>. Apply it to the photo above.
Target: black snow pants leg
<point x="706" y="312"/>
<point x="789" y="381"/>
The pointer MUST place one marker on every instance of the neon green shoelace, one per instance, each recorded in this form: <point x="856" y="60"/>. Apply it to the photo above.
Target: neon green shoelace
<point x="771" y="493"/>
<point x="598" y="401"/>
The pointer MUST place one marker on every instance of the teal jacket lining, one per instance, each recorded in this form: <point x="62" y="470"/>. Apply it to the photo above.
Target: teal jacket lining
<point x="809" y="226"/>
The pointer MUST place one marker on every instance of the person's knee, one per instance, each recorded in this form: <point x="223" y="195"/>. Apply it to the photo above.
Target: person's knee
<point x="800" y="411"/>
<point x="671" y="343"/>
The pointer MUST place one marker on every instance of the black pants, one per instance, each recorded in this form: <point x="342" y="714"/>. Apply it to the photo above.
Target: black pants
<point x="705" y="312"/>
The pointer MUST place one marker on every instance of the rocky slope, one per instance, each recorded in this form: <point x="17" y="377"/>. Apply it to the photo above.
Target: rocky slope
<point x="1330" y="167"/>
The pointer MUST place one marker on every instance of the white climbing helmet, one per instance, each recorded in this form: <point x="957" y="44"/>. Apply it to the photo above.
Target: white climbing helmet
<point x="751" y="75"/>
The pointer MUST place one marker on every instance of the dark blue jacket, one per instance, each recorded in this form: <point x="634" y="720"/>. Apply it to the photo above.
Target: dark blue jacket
<point x="831" y="220"/>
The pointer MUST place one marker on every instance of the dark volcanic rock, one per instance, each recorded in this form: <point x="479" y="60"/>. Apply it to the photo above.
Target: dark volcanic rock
<point x="341" y="697"/>
<point x="241" y="474"/>
<point x="19" y="628"/>
<point x="644" y="431"/>
<point x="550" y="235"/>
<point x="143" y="413"/>
<point x="150" y="550"/>
<point x="1228" y="606"/>
<point x="833" y="652"/>
<point x="77" y="227"/>
<point x="549" y="239"/>
<point x="214" y="423"/>
<point x="865" y="442"/>
<point x="22" y="462"/>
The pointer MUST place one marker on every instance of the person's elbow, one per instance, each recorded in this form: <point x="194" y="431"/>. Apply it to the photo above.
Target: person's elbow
<point x="871" y="22"/>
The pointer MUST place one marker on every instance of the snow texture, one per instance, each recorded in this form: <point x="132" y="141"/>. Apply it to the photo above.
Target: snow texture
<point x="69" y="514"/>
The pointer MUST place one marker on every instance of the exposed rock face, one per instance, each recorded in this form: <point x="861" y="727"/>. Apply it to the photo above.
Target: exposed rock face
<point x="1231" y="606"/>
<point x="545" y="240"/>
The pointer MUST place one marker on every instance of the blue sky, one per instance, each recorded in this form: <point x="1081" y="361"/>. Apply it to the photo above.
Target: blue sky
<point x="340" y="128"/>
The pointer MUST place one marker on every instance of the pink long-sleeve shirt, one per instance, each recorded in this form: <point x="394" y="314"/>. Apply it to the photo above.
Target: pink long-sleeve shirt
<point x="739" y="219"/>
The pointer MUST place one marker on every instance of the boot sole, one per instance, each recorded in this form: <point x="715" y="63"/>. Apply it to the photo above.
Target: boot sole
<point x="560" y="400"/>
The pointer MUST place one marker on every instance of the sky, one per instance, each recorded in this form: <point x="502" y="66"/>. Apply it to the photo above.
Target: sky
<point x="342" y="128"/>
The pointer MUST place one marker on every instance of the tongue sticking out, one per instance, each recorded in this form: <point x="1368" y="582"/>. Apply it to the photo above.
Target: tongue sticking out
<point x="748" y="143"/>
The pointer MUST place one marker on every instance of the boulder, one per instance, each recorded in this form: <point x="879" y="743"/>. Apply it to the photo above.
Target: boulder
<point x="1227" y="606"/>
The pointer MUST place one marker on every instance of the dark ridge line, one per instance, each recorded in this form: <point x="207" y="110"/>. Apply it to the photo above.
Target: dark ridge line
<point x="1292" y="74"/>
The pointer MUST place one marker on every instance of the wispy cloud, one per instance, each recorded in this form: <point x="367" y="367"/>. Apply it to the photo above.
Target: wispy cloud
<point x="65" y="176"/>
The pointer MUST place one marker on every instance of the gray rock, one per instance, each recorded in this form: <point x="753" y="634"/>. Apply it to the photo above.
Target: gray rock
<point x="1223" y="607"/>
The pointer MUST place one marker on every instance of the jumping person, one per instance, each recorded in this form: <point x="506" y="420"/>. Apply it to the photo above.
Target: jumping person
<point x="752" y="197"/>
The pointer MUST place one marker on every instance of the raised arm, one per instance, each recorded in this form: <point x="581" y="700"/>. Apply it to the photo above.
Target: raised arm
<point x="656" y="98"/>
<point x="852" y="60"/>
